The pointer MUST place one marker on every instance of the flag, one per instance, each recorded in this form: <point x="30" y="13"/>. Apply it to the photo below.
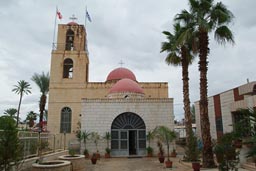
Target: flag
<point x="88" y="16"/>
<point x="59" y="14"/>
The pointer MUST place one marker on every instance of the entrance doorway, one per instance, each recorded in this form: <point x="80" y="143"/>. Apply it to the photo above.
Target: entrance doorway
<point x="128" y="135"/>
<point x="132" y="142"/>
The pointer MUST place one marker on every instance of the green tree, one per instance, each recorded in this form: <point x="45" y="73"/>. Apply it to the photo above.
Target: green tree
<point x="42" y="81"/>
<point x="207" y="17"/>
<point x="22" y="88"/>
<point x="165" y="135"/>
<point x="11" y="112"/>
<point x="180" y="53"/>
<point x="31" y="117"/>
<point x="10" y="147"/>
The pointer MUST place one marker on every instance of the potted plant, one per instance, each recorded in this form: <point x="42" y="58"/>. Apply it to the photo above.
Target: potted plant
<point x="226" y="153"/>
<point x="173" y="153"/>
<point x="95" y="137"/>
<point x="161" y="152"/>
<point x="165" y="135"/>
<point x="150" y="136"/>
<point x="94" y="158"/>
<point x="149" y="151"/>
<point x="107" y="137"/>
<point x="85" y="136"/>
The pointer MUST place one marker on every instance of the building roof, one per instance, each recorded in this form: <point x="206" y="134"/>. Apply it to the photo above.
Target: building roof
<point x="126" y="85"/>
<point x="120" y="73"/>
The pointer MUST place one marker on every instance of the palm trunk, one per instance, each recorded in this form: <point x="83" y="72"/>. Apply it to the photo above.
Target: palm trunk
<point x="208" y="160"/>
<point x="186" y="100"/>
<point x="18" y="111"/>
<point x="42" y="108"/>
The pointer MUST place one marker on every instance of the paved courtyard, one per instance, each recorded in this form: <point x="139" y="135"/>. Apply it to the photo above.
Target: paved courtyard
<point x="139" y="164"/>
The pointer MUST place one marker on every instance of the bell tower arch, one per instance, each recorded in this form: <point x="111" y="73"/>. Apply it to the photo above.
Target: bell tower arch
<point x="69" y="61"/>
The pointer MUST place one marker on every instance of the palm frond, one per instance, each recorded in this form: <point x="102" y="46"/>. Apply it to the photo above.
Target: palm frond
<point x="42" y="81"/>
<point x="221" y="14"/>
<point x="223" y="34"/>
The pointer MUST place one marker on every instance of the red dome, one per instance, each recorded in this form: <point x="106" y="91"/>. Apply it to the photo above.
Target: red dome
<point x="72" y="23"/>
<point x="126" y="85"/>
<point x="120" y="73"/>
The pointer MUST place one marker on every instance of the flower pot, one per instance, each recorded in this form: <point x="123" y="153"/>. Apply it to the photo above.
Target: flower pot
<point x="150" y="154"/>
<point x="168" y="164"/>
<point x="173" y="154"/>
<point x="93" y="160"/>
<point x="98" y="155"/>
<point x="196" y="166"/>
<point x="107" y="155"/>
<point x="238" y="143"/>
<point x="87" y="155"/>
<point x="161" y="159"/>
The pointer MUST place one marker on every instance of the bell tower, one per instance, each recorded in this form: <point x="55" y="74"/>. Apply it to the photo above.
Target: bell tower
<point x="69" y="62"/>
<point x="68" y="78"/>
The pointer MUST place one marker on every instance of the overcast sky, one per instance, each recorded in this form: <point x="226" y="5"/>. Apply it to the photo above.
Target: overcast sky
<point x="127" y="30"/>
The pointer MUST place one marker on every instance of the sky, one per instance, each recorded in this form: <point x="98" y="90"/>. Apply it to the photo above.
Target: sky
<point x="127" y="30"/>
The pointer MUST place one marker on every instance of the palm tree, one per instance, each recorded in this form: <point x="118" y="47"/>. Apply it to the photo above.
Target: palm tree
<point x="31" y="117"/>
<point x="11" y="112"/>
<point x="207" y="17"/>
<point x="22" y="88"/>
<point x="179" y="48"/>
<point x="42" y="81"/>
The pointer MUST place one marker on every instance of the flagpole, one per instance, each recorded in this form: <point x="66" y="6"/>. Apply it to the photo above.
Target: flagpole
<point x="85" y="16"/>
<point x="55" y="21"/>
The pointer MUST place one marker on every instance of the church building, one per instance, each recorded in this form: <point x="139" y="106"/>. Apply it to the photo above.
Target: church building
<point x="121" y="105"/>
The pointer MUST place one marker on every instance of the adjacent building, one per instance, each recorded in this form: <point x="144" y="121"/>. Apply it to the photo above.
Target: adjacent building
<point x="223" y="108"/>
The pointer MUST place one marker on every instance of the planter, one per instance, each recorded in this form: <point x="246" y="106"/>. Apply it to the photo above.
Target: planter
<point x="161" y="159"/>
<point x="54" y="165"/>
<point x="77" y="161"/>
<point x="168" y="164"/>
<point x="196" y="166"/>
<point x="219" y="157"/>
<point x="94" y="160"/>
<point x="238" y="143"/>
<point x="87" y="156"/>
<point x="107" y="155"/>
<point x="150" y="155"/>
<point x="98" y="155"/>
<point x="173" y="154"/>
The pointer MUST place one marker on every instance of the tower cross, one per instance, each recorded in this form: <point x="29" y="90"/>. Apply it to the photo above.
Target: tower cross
<point x="121" y="63"/>
<point x="73" y="17"/>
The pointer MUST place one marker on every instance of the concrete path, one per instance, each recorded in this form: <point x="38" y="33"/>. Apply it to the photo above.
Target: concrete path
<point x="139" y="164"/>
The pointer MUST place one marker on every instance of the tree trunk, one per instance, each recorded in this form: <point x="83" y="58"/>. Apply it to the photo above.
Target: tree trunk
<point x="42" y="108"/>
<point x="186" y="100"/>
<point x="208" y="160"/>
<point x="18" y="111"/>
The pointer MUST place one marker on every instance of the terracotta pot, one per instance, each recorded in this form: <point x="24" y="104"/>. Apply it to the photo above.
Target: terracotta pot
<point x="150" y="154"/>
<point x="93" y="160"/>
<point x="87" y="156"/>
<point x="107" y="155"/>
<point x="173" y="154"/>
<point x="238" y="143"/>
<point x="168" y="164"/>
<point x="98" y="155"/>
<point x="161" y="159"/>
<point x="196" y="166"/>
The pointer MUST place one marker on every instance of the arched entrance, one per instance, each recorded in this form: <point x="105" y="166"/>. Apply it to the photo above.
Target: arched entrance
<point x="128" y="135"/>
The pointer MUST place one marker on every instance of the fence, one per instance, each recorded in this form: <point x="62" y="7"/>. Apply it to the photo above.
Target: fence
<point x="35" y="142"/>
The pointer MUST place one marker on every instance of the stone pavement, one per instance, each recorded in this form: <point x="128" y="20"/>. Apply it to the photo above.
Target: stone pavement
<point x="139" y="164"/>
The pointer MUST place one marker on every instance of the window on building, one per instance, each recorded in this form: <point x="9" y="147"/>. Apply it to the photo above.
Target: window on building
<point x="69" y="40"/>
<point x="68" y="68"/>
<point x="65" y="122"/>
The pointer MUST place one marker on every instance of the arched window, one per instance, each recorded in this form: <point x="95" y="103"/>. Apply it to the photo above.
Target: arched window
<point x="68" y="68"/>
<point x="69" y="40"/>
<point x="65" y="121"/>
